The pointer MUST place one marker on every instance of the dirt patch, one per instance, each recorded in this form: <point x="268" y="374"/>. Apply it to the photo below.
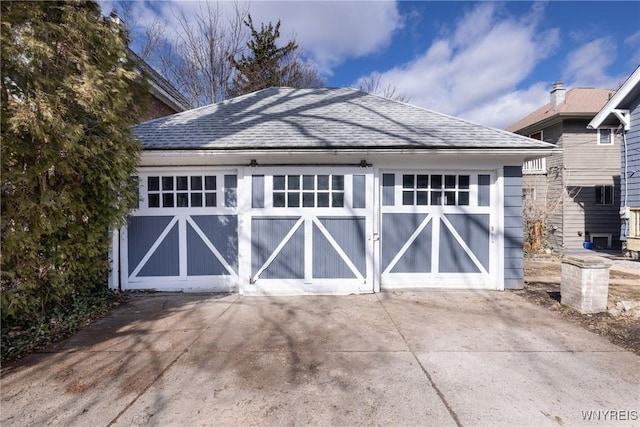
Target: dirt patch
<point x="542" y="277"/>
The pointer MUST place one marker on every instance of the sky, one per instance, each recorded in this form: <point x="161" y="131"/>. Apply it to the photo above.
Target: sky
<point x="489" y="62"/>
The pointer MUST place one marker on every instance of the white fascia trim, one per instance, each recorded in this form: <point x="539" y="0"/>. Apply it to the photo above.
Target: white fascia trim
<point x="611" y="106"/>
<point x="525" y="152"/>
<point x="165" y="97"/>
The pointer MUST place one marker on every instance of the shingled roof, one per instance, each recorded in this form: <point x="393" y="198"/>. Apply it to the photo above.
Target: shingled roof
<point x="579" y="102"/>
<point x="284" y="118"/>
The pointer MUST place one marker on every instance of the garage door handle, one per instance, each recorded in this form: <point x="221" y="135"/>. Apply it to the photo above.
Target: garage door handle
<point x="376" y="237"/>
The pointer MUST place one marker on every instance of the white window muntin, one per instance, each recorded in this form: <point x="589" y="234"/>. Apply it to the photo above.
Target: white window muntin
<point x="182" y="191"/>
<point x="308" y="191"/>
<point x="473" y="191"/>
<point x="348" y="173"/>
<point x="435" y="189"/>
<point x="218" y="193"/>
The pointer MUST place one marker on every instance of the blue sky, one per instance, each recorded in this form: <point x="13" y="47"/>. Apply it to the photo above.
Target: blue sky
<point x="489" y="62"/>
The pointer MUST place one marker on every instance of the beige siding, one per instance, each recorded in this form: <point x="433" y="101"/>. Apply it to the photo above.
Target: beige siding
<point x="587" y="165"/>
<point x="554" y="201"/>
<point x="582" y="151"/>
<point x="570" y="182"/>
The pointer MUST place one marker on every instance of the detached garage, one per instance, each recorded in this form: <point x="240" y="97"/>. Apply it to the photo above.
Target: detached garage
<point x="295" y="191"/>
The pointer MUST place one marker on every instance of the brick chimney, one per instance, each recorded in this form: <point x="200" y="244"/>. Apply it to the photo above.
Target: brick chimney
<point x="557" y="95"/>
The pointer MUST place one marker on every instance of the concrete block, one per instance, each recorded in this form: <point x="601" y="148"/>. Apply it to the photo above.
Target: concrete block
<point x="585" y="283"/>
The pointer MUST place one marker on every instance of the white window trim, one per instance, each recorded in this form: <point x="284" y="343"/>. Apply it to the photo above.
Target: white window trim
<point x="541" y="132"/>
<point x="144" y="173"/>
<point x="301" y="191"/>
<point x="531" y="191"/>
<point x="634" y="219"/>
<point x="535" y="166"/>
<point x="611" y="136"/>
<point x="456" y="190"/>
<point x="608" y="236"/>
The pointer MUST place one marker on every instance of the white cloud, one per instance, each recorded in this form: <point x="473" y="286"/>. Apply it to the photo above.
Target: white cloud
<point x="633" y="41"/>
<point x="333" y="31"/>
<point x="586" y="65"/>
<point x="510" y="107"/>
<point x="474" y="72"/>
<point x="329" y="32"/>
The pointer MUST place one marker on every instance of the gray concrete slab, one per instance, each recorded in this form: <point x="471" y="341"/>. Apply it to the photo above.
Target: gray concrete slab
<point x="536" y="388"/>
<point x="324" y="323"/>
<point x="483" y="321"/>
<point x="281" y="388"/>
<point x="406" y="358"/>
<point x="77" y="389"/>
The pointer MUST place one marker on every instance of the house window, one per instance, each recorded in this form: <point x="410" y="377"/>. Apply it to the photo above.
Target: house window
<point x="605" y="136"/>
<point x="528" y="194"/>
<point x="537" y="135"/>
<point x="435" y="190"/>
<point x="308" y="191"/>
<point x="604" y="195"/>
<point x="535" y="166"/>
<point x="183" y="191"/>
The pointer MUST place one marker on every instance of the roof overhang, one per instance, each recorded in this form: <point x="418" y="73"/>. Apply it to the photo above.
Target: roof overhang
<point x="335" y="156"/>
<point x="162" y="95"/>
<point x="615" y="112"/>
<point x="552" y="120"/>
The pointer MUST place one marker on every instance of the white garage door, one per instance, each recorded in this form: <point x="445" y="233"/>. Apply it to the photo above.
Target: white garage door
<point x="310" y="230"/>
<point x="184" y="234"/>
<point x="437" y="229"/>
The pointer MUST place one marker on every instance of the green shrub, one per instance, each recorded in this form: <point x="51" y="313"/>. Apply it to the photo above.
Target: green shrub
<point x="68" y="96"/>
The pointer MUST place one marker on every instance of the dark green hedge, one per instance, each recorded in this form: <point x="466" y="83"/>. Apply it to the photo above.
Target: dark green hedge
<point x="68" y="97"/>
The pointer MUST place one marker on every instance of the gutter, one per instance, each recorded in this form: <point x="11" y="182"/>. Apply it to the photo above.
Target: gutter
<point x="530" y="153"/>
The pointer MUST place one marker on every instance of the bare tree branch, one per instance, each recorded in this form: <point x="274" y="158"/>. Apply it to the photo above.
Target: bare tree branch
<point x="373" y="85"/>
<point x="198" y="63"/>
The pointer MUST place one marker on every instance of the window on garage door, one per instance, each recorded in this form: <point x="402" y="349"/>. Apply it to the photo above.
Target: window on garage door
<point x="435" y="190"/>
<point x="191" y="191"/>
<point x="309" y="191"/>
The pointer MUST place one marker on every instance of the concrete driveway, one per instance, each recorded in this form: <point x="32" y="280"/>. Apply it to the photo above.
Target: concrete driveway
<point x="425" y="358"/>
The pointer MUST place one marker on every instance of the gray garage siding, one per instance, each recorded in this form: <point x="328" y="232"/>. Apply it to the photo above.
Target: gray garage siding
<point x="513" y="266"/>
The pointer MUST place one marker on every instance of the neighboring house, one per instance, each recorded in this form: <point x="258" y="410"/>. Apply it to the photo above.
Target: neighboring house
<point x="574" y="192"/>
<point x="622" y="113"/>
<point x="163" y="99"/>
<point x="297" y="191"/>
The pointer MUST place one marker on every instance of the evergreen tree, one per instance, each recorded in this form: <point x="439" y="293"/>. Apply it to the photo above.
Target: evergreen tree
<point x="267" y="65"/>
<point x="68" y="96"/>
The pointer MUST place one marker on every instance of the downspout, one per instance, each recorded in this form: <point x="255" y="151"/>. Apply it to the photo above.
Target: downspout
<point x="624" y="210"/>
<point x="562" y="204"/>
